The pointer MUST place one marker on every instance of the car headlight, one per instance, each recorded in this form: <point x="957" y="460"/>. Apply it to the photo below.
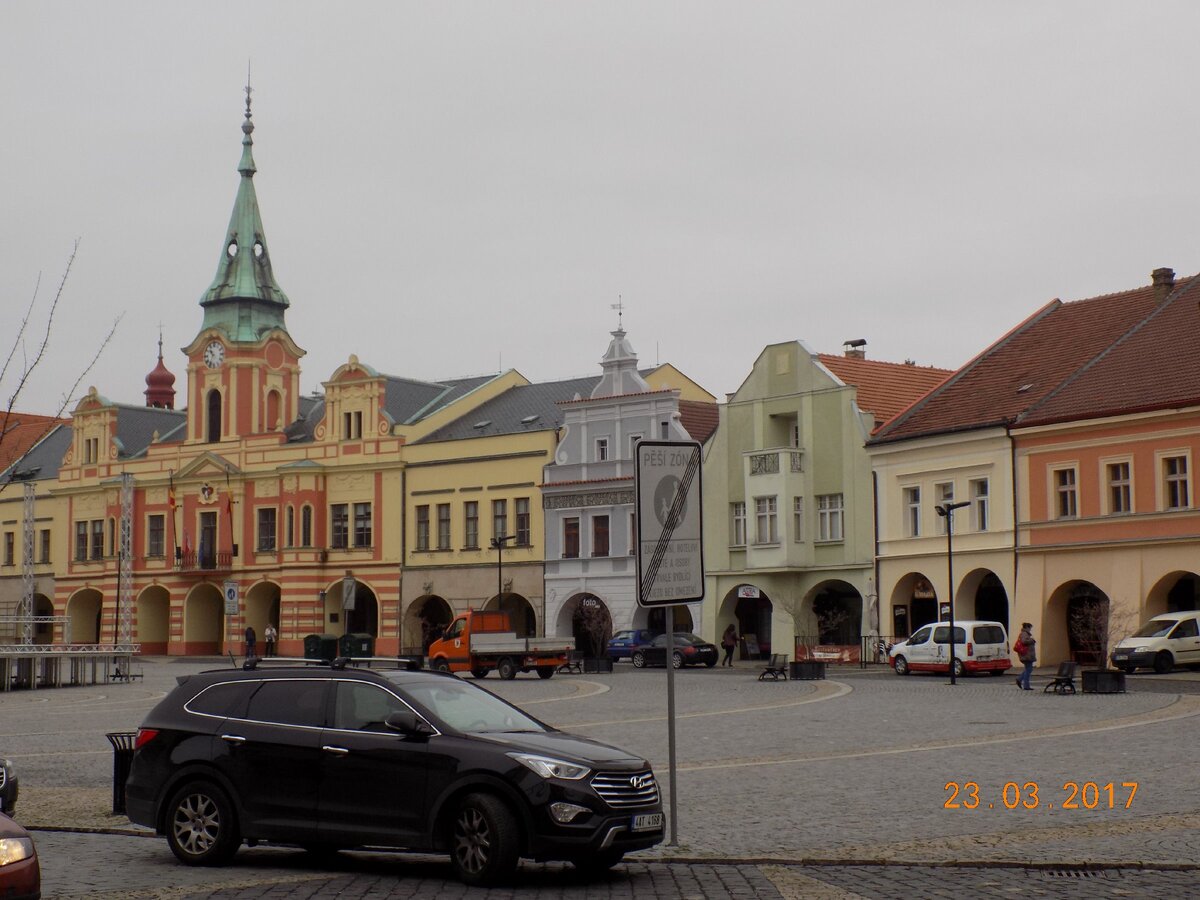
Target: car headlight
<point x="13" y="850"/>
<point x="548" y="767"/>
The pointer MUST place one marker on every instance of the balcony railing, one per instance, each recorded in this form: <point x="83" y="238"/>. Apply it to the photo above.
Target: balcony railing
<point x="769" y="462"/>
<point x="205" y="561"/>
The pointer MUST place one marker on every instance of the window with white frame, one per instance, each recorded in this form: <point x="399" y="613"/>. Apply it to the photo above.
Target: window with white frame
<point x="797" y="519"/>
<point x="830" y="515"/>
<point x="944" y="492"/>
<point x="499" y="519"/>
<point x="766" y="528"/>
<point x="571" y="537"/>
<point x="1066" y="494"/>
<point x="423" y="527"/>
<point x="339" y="520"/>
<point x="738" y="513"/>
<point x="524" y="532"/>
<point x="155" y="536"/>
<point x="979" y="504"/>
<point x="363" y="525"/>
<point x="1120" y="497"/>
<point x="794" y="436"/>
<point x="912" y="511"/>
<point x="602" y="449"/>
<point x="1175" y="482"/>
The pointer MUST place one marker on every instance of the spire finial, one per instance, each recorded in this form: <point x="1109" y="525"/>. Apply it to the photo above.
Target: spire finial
<point x="246" y="166"/>
<point x="160" y="341"/>
<point x="249" y="90"/>
<point x="619" y="306"/>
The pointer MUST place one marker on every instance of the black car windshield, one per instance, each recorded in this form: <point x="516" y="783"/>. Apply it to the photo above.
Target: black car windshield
<point x="464" y="707"/>
<point x="1156" y="628"/>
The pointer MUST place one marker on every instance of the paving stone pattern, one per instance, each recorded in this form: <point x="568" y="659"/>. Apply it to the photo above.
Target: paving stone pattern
<point x="828" y="789"/>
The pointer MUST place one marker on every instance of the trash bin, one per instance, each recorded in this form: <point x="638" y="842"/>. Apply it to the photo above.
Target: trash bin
<point x="320" y="646"/>
<point x="122" y="744"/>
<point x="357" y="644"/>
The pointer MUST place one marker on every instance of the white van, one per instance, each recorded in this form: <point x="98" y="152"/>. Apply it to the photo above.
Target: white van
<point x="1166" y="641"/>
<point x="978" y="647"/>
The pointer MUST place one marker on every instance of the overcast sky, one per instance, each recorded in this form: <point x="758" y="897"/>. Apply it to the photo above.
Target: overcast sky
<point x="454" y="188"/>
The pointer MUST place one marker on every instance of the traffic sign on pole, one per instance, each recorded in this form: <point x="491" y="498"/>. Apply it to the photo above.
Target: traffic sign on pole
<point x="230" y="590"/>
<point x="670" y="553"/>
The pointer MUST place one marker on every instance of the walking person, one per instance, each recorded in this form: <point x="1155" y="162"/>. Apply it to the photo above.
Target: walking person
<point x="251" y="639"/>
<point x="270" y="635"/>
<point x="1026" y="650"/>
<point x="729" y="641"/>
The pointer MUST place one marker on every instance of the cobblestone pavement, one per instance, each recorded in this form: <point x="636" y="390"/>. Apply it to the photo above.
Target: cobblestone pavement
<point x="792" y="789"/>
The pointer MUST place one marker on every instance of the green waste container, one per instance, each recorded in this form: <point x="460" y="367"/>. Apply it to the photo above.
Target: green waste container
<point x="357" y="644"/>
<point x="320" y="646"/>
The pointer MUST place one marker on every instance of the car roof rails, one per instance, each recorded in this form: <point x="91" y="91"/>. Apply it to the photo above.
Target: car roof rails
<point x="408" y="663"/>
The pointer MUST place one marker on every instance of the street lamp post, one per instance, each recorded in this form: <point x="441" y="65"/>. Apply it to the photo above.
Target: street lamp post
<point x="498" y="543"/>
<point x="946" y="510"/>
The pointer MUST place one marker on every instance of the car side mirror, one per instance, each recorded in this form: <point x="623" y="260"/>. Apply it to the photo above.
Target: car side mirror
<point x="408" y="723"/>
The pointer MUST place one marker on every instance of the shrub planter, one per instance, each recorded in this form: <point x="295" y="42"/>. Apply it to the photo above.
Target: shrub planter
<point x="598" y="664"/>
<point x="807" y="670"/>
<point x="1103" y="681"/>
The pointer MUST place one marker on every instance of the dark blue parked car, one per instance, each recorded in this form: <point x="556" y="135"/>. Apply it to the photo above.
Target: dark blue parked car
<point x="622" y="643"/>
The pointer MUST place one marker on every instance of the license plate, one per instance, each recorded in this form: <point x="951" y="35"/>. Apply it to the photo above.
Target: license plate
<point x="648" y="822"/>
<point x="1120" y="655"/>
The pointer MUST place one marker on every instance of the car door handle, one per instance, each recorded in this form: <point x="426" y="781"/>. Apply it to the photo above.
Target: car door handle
<point x="233" y="738"/>
<point x="336" y="751"/>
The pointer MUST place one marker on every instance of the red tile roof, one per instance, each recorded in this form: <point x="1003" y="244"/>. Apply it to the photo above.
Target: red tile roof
<point x="19" y="431"/>
<point x="1154" y="365"/>
<point x="884" y="388"/>
<point x="699" y="418"/>
<point x="1022" y="368"/>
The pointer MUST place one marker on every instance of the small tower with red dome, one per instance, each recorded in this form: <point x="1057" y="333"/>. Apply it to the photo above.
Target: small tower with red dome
<point x="160" y="384"/>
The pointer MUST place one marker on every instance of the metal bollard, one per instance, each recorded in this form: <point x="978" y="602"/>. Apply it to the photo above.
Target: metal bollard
<point x="122" y="744"/>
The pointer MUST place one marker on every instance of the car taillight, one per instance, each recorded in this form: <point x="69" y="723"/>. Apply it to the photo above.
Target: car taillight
<point x="689" y="650"/>
<point x="969" y="648"/>
<point x="144" y="736"/>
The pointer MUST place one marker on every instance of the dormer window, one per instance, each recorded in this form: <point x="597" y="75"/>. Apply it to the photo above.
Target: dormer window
<point x="352" y="425"/>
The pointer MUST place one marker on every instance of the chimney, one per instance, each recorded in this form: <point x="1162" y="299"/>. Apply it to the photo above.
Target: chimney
<point x="1164" y="282"/>
<point x="856" y="349"/>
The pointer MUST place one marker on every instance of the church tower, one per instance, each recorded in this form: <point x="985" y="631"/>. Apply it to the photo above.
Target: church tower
<point x="243" y="366"/>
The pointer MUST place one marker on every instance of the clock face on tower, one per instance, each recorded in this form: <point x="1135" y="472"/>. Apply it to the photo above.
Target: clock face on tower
<point x="214" y="354"/>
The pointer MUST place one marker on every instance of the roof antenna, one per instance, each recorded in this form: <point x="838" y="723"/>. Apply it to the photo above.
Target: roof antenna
<point x="619" y="306"/>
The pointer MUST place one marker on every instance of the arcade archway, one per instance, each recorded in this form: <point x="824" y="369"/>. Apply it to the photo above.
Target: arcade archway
<point x="586" y="618"/>
<point x="426" y="619"/>
<point x="1176" y="592"/>
<point x="914" y="603"/>
<point x="750" y="611"/>
<point x="152" y="620"/>
<point x="1070" y="628"/>
<point x="987" y="596"/>
<point x="43" y="608"/>
<point x="84" y="611"/>
<point x="204" y="620"/>
<point x="520" y="613"/>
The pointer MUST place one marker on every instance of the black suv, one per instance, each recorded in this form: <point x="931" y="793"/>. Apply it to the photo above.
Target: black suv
<point x="331" y="758"/>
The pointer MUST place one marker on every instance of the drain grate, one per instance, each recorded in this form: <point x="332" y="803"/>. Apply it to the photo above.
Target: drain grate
<point x="1075" y="872"/>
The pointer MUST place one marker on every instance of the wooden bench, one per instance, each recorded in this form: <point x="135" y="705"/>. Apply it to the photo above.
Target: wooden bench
<point x="574" y="662"/>
<point x="776" y="667"/>
<point x="1063" y="681"/>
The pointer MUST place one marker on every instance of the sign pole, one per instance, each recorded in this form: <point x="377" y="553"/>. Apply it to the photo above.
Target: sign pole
<point x="670" y="617"/>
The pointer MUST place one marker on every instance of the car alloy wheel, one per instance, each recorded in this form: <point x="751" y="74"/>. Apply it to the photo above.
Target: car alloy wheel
<point x="201" y="830"/>
<point x="484" y="842"/>
<point x="639" y="660"/>
<point x="677" y="660"/>
<point x="901" y="665"/>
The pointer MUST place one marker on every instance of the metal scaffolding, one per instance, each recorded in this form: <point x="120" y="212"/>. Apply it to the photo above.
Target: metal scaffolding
<point x="25" y="613"/>
<point x="125" y="583"/>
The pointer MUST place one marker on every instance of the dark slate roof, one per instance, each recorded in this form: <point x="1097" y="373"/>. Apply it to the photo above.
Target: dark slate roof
<point x="311" y="410"/>
<point x="530" y="407"/>
<point x="1024" y="366"/>
<point x="407" y="400"/>
<point x="43" y="460"/>
<point x="136" y="426"/>
<point x="1155" y="365"/>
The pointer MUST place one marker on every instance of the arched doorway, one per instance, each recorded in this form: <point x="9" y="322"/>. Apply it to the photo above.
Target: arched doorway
<point x="364" y="618"/>
<point x="152" y="622"/>
<point x="914" y="603"/>
<point x="656" y="619"/>
<point x="520" y="613"/>
<point x="203" y="620"/>
<point x="84" y="611"/>
<point x="1176" y="592"/>
<point x="837" y="608"/>
<point x="587" y="619"/>
<point x="427" y="618"/>
<point x="1074" y="624"/>
<point x="749" y="609"/>
<point x="261" y="608"/>
<point x="991" y="599"/>
<point x="43" y="608"/>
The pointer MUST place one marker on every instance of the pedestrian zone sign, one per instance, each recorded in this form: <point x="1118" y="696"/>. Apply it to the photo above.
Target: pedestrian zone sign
<point x="231" y="598"/>
<point x="670" y="557"/>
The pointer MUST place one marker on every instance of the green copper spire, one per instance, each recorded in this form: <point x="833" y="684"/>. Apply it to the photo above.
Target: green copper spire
<point x="243" y="300"/>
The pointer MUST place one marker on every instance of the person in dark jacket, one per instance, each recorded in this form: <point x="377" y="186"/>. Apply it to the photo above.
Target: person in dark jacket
<point x="1026" y="650"/>
<point x="729" y="641"/>
<point x="251" y="640"/>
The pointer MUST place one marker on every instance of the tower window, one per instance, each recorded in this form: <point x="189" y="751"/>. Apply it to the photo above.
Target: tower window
<point x="214" y="417"/>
